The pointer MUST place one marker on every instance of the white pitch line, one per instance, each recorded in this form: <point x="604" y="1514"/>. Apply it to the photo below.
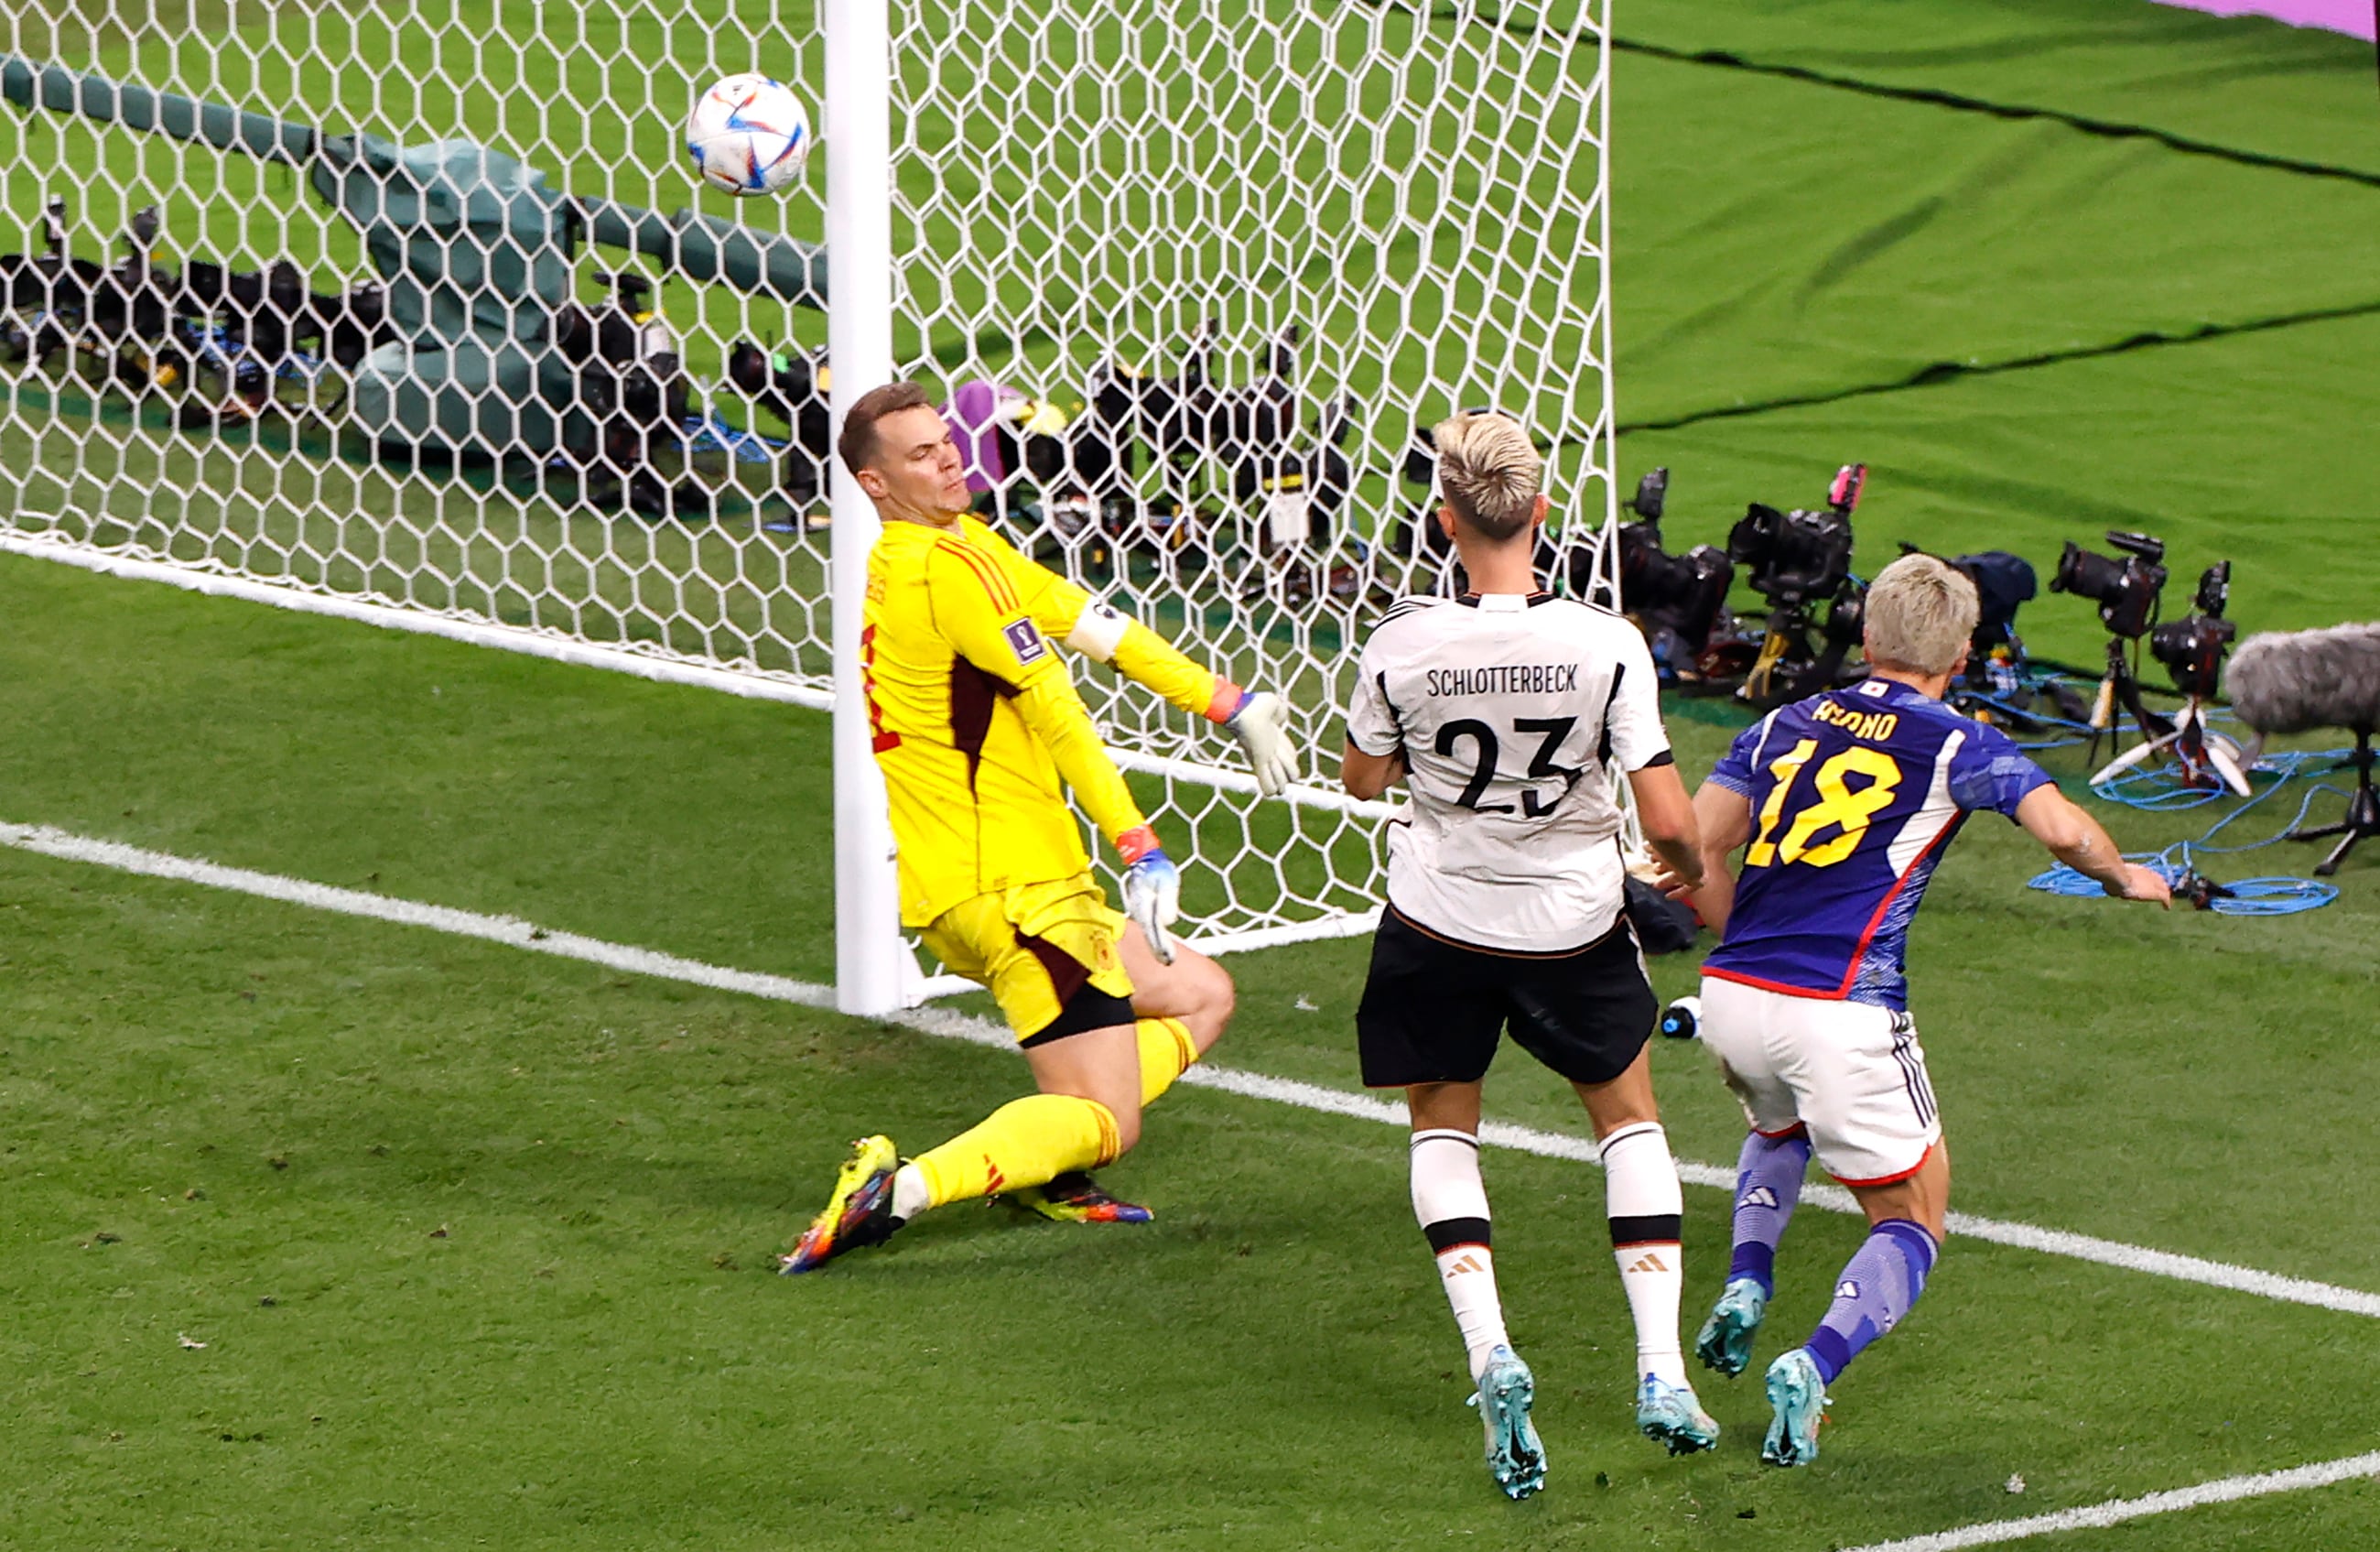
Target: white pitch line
<point x="2229" y="1489"/>
<point x="948" y="1024"/>
<point x="507" y="929"/>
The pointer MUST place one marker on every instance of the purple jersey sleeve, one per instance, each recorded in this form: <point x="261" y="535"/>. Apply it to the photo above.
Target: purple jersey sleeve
<point x="1990" y="772"/>
<point x="1736" y="769"/>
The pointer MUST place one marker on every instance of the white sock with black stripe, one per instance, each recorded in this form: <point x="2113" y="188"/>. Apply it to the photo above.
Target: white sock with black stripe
<point x="1450" y="1203"/>
<point x="1646" y="1208"/>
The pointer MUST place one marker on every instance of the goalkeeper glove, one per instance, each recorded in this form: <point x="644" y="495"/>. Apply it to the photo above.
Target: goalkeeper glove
<point x="1152" y="890"/>
<point x="1261" y="724"/>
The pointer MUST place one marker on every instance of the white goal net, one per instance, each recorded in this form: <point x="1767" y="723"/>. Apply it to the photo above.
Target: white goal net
<point x="441" y="333"/>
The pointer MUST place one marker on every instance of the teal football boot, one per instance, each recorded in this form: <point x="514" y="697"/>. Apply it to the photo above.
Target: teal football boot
<point x="1799" y="1396"/>
<point x="1514" y="1457"/>
<point x="1670" y="1416"/>
<point x="1725" y="1343"/>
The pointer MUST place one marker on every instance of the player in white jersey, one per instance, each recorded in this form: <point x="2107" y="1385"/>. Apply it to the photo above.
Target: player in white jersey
<point x="1500" y="712"/>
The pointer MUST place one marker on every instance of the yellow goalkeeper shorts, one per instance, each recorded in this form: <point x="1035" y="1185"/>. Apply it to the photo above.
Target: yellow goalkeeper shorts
<point x="1040" y="949"/>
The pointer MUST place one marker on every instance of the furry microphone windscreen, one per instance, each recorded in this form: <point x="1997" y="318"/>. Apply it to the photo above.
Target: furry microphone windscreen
<point x="2290" y="682"/>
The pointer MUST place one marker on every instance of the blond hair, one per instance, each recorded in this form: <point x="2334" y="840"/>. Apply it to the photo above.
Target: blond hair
<point x="1920" y="613"/>
<point x="1488" y="471"/>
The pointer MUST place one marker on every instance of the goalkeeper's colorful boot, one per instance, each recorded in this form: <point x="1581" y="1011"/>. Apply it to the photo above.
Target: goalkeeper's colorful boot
<point x="1799" y="1396"/>
<point x="1514" y="1457"/>
<point x="858" y="1213"/>
<point x="1075" y="1197"/>
<point x="1670" y="1416"/>
<point x="1725" y="1343"/>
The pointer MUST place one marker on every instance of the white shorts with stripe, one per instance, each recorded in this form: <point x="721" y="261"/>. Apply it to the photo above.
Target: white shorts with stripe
<point x="1852" y="1073"/>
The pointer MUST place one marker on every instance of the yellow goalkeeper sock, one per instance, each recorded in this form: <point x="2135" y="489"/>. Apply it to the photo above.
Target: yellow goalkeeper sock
<point x="1022" y="1143"/>
<point x="1166" y="1053"/>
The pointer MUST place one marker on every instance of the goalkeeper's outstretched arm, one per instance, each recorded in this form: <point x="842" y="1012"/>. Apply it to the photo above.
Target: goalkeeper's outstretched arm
<point x="1258" y="718"/>
<point x="1066" y="612"/>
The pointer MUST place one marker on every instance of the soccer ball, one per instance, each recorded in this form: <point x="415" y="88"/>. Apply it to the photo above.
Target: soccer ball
<point x="749" y="135"/>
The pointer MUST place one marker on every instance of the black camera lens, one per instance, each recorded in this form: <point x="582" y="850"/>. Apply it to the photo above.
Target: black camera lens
<point x="2215" y="589"/>
<point x="1754" y="538"/>
<point x="2086" y="575"/>
<point x="2126" y="590"/>
<point x="1794" y="557"/>
<point x="748" y="367"/>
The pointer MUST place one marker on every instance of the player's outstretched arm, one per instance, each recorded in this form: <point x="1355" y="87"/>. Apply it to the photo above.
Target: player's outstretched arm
<point x="1634" y="734"/>
<point x="2076" y="840"/>
<point x="1258" y="718"/>
<point x="1065" y="612"/>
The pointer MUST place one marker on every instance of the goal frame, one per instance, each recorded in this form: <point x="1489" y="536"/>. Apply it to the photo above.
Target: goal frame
<point x="863" y="88"/>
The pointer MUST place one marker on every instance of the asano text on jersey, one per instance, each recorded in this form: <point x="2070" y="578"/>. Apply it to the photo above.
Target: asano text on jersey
<point x="1855" y="794"/>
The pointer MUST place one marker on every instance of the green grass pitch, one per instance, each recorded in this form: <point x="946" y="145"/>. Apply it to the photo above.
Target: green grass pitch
<point x="478" y="1243"/>
<point x="321" y="1232"/>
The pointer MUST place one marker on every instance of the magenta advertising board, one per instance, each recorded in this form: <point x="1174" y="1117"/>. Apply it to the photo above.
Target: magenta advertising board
<point x="2353" y="16"/>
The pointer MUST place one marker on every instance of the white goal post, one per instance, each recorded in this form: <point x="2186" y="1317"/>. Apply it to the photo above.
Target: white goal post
<point x="1189" y="277"/>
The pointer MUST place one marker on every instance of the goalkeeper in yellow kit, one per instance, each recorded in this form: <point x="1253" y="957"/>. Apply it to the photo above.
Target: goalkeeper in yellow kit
<point x="977" y="723"/>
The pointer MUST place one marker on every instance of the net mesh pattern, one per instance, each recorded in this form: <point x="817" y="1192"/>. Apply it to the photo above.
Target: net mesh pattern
<point x="419" y="306"/>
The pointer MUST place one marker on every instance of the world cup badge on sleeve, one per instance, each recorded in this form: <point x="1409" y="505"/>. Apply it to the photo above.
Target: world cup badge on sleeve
<point x="1025" y="641"/>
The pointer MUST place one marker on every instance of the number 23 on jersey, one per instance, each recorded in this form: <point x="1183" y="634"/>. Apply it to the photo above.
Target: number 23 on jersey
<point x="1551" y="731"/>
<point x="1838" y="805"/>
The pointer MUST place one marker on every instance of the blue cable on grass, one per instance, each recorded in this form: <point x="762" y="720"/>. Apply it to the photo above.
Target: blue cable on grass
<point x="2248" y="896"/>
<point x="2163" y="790"/>
<point x="2160" y="789"/>
<point x="2014" y="712"/>
<point x="2071" y="734"/>
<point x="2155" y="791"/>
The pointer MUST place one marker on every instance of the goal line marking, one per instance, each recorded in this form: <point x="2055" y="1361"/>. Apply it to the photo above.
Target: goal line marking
<point x="2224" y="1490"/>
<point x="949" y="1024"/>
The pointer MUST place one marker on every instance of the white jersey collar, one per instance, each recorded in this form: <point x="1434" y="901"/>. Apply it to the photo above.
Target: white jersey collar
<point x="1501" y="603"/>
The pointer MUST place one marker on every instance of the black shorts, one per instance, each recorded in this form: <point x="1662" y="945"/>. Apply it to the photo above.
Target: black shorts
<point x="1433" y="1009"/>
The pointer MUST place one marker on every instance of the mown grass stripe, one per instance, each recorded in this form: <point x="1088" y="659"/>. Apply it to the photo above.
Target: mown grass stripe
<point x="947" y="1023"/>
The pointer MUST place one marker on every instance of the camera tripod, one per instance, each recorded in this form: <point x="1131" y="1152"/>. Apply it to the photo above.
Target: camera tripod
<point x="2206" y="757"/>
<point x="1786" y="668"/>
<point x="2362" y="817"/>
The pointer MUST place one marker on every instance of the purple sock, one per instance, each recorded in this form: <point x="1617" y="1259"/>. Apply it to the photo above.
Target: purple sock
<point x="1767" y="1183"/>
<point x="1879" y="1285"/>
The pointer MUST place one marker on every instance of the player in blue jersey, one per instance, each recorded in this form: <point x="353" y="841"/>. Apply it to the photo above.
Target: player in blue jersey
<point x="1843" y="803"/>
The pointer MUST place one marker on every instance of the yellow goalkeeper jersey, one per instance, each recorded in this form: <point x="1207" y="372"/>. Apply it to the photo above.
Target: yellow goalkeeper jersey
<point x="975" y="717"/>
